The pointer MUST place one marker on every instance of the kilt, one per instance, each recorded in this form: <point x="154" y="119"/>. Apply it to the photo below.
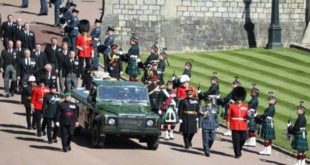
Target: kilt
<point x="299" y="143"/>
<point x="169" y="116"/>
<point x="267" y="132"/>
<point x="252" y="125"/>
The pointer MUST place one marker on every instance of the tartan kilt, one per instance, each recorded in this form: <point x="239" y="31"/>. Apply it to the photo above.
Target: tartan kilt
<point x="299" y="143"/>
<point x="267" y="132"/>
<point x="252" y="125"/>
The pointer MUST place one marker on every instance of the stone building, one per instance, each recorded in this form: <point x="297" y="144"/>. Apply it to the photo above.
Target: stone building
<point x="183" y="25"/>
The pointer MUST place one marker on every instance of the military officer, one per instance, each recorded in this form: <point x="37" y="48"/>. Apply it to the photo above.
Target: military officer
<point x="37" y="95"/>
<point x="26" y="98"/>
<point x="161" y="67"/>
<point x="67" y="13"/>
<point x="72" y="28"/>
<point x="154" y="90"/>
<point x="26" y="67"/>
<point x="108" y="41"/>
<point x="188" y="68"/>
<point x="237" y="120"/>
<point x="168" y="109"/>
<point x="8" y="64"/>
<point x="95" y="34"/>
<point x="71" y="72"/>
<point x="133" y="59"/>
<point x="115" y="63"/>
<point x="214" y="89"/>
<point x="299" y="131"/>
<point x="181" y="90"/>
<point x="152" y="57"/>
<point x="253" y="105"/>
<point x="209" y="124"/>
<point x="188" y="117"/>
<point x="7" y="30"/>
<point x="268" y="131"/>
<point x="50" y="103"/>
<point x="66" y="119"/>
<point x="228" y="100"/>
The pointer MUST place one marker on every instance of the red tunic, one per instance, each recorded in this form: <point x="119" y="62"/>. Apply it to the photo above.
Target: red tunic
<point x="237" y="117"/>
<point x="84" y="43"/>
<point x="38" y="93"/>
<point x="181" y="92"/>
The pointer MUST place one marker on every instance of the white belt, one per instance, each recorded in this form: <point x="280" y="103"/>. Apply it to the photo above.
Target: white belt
<point x="238" y="118"/>
<point x="270" y="118"/>
<point x="97" y="39"/>
<point x="303" y="131"/>
<point x="75" y="28"/>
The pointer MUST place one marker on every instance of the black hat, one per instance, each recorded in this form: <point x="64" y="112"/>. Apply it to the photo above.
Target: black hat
<point x="110" y="29"/>
<point x="53" y="86"/>
<point x="84" y="26"/>
<point x="189" y="62"/>
<point x="114" y="46"/>
<point x="214" y="76"/>
<point x="72" y="4"/>
<point x="169" y="82"/>
<point x="98" y="21"/>
<point x="134" y="37"/>
<point x="75" y="11"/>
<point x="236" y="81"/>
<point x="155" y="46"/>
<point x="208" y="99"/>
<point x="254" y="89"/>
<point x="301" y="106"/>
<point x="239" y="93"/>
<point x="271" y="96"/>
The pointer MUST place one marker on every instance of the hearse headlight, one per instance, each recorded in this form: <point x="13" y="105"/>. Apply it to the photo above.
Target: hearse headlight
<point x="149" y="123"/>
<point x="111" y="121"/>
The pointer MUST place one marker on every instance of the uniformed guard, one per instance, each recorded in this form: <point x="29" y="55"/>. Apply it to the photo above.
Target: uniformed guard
<point x="37" y="95"/>
<point x="209" y="124"/>
<point x="253" y="105"/>
<point x="237" y="120"/>
<point x="26" y="98"/>
<point x="268" y="131"/>
<point x="133" y="59"/>
<point x="108" y="41"/>
<point x="152" y="57"/>
<point x="154" y="90"/>
<point x="84" y="45"/>
<point x="71" y="72"/>
<point x="228" y="100"/>
<point x="161" y="67"/>
<point x="188" y="117"/>
<point x="181" y="90"/>
<point x="151" y="72"/>
<point x="72" y="29"/>
<point x="115" y="66"/>
<point x="299" y="131"/>
<point x="168" y="109"/>
<point x="66" y="119"/>
<point x="95" y="34"/>
<point x="66" y="13"/>
<point x="188" y="68"/>
<point x="8" y="65"/>
<point x="50" y="103"/>
<point x="213" y="91"/>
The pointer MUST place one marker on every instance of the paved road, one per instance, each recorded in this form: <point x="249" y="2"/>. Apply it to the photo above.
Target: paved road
<point x="21" y="146"/>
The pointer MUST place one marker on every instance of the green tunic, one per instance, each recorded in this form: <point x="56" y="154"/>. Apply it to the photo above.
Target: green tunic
<point x="253" y="104"/>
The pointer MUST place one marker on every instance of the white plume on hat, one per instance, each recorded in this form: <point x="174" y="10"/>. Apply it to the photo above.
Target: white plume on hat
<point x="184" y="78"/>
<point x="32" y="78"/>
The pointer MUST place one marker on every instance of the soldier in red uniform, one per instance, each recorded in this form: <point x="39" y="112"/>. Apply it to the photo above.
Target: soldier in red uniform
<point x="237" y="119"/>
<point x="38" y="93"/>
<point x="181" y="91"/>
<point x="84" y="46"/>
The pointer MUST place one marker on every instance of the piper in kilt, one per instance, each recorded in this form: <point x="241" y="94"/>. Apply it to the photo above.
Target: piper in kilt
<point x="268" y="131"/>
<point x="253" y="105"/>
<point x="168" y="110"/>
<point x="299" y="132"/>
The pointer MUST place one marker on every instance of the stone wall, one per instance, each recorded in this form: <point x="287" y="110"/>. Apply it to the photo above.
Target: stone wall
<point x="182" y="25"/>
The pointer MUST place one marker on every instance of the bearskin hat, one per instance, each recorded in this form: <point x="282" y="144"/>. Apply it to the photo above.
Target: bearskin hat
<point x="84" y="26"/>
<point x="239" y="93"/>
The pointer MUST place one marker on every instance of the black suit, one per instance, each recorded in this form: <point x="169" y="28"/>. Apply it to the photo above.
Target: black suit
<point x="18" y="30"/>
<point x="25" y="69"/>
<point x="51" y="55"/>
<point x="61" y="56"/>
<point x="20" y="53"/>
<point x="28" y="40"/>
<point x="50" y="79"/>
<point x="7" y="32"/>
<point x="41" y="60"/>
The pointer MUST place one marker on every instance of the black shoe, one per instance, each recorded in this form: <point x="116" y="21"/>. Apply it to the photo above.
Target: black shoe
<point x="50" y="142"/>
<point x="24" y="6"/>
<point x="54" y="140"/>
<point x="29" y="128"/>
<point x="44" y="133"/>
<point x="7" y="95"/>
<point x="190" y="144"/>
<point x="12" y="94"/>
<point x="40" y="14"/>
<point x="237" y="157"/>
<point x="39" y="135"/>
<point x="207" y="154"/>
<point x="186" y="147"/>
<point x="69" y="148"/>
<point x="64" y="149"/>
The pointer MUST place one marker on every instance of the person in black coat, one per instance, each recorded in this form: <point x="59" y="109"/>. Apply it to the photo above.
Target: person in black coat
<point x="40" y="57"/>
<point x="71" y="71"/>
<point x="26" y="98"/>
<point x="61" y="56"/>
<point x="26" y="67"/>
<point x="28" y="38"/>
<point x="18" y="29"/>
<point x="51" y="51"/>
<point x="19" y="50"/>
<point x="7" y="30"/>
<point x="49" y="75"/>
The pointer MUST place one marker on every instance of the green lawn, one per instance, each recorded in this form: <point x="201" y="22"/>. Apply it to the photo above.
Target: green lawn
<point x="286" y="72"/>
